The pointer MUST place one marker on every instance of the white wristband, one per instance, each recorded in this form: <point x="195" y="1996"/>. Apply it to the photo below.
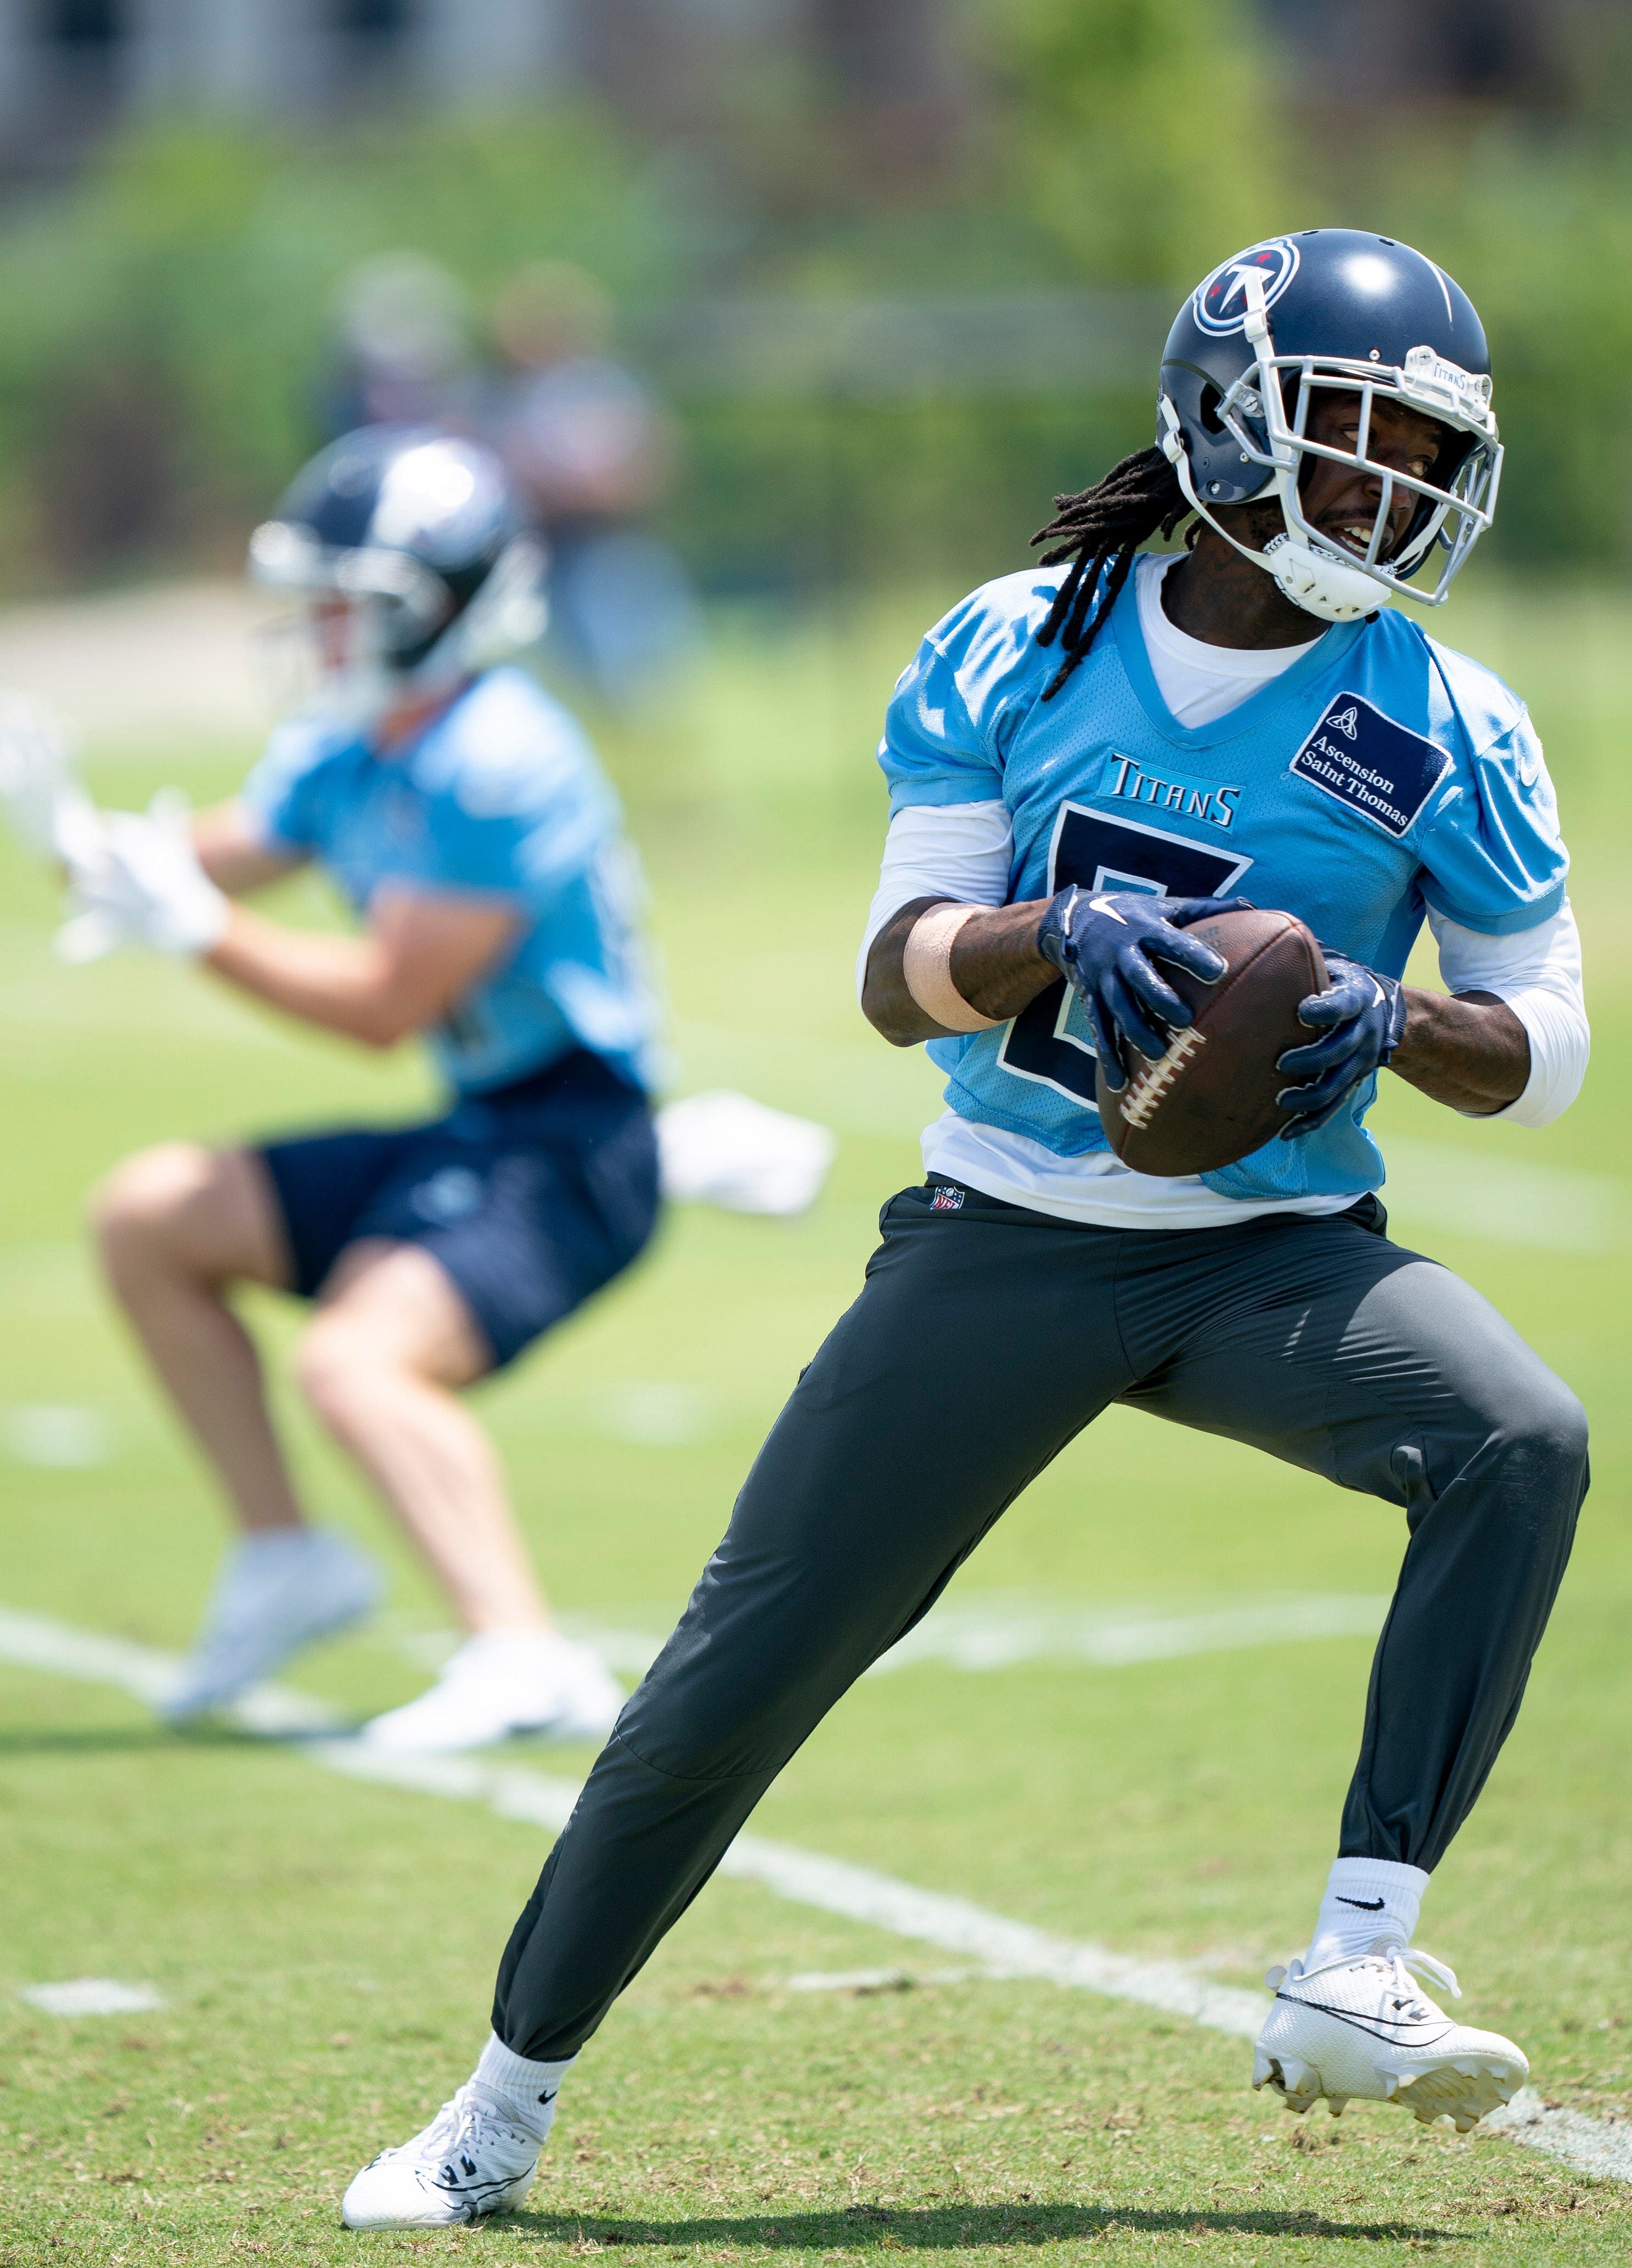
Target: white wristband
<point x="926" y="964"/>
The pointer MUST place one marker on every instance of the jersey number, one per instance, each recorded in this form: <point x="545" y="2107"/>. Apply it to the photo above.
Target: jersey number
<point x="1099" y="853"/>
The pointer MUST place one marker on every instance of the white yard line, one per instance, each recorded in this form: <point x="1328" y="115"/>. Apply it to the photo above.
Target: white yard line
<point x="1001" y="1947"/>
<point x="92" y="1996"/>
<point x="995" y="1630"/>
<point x="975" y="1632"/>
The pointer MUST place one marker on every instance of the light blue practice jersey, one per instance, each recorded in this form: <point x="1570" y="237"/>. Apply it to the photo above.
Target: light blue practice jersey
<point x="502" y="798"/>
<point x="1380" y="774"/>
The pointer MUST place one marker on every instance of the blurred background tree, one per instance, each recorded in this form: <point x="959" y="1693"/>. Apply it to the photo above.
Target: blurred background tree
<point x="1138" y="135"/>
<point x="900" y="265"/>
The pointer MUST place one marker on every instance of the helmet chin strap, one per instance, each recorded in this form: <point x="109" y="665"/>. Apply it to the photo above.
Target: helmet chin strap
<point x="1312" y="579"/>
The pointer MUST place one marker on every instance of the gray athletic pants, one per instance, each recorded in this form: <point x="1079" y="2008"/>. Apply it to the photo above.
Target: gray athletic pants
<point x="984" y="1338"/>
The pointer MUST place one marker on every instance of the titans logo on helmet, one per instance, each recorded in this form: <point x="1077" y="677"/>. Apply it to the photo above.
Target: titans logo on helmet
<point x="1221" y="301"/>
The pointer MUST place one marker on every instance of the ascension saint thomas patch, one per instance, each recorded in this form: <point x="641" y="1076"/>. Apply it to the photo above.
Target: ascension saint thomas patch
<point x="1358" y="757"/>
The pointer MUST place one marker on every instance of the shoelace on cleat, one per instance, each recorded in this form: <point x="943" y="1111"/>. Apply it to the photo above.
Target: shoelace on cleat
<point x="1398" y="1960"/>
<point x="1402" y="1960"/>
<point x="455" y="2137"/>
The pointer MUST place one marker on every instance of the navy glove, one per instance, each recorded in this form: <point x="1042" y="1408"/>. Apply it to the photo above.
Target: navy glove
<point x="1106" y="945"/>
<point x="1363" y="1015"/>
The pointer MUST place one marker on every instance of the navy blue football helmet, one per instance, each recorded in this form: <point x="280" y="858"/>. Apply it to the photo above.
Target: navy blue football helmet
<point x="1332" y="309"/>
<point x="406" y="546"/>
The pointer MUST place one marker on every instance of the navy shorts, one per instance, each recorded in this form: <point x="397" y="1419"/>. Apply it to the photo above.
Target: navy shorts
<point x="530" y="1198"/>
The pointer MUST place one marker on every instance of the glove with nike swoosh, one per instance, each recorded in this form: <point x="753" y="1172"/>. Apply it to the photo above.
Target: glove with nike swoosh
<point x="1106" y="946"/>
<point x="1364" y="1017"/>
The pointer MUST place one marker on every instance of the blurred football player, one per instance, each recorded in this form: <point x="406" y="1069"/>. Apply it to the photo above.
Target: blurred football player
<point x="1083" y="760"/>
<point x="464" y="815"/>
<point x="593" y="453"/>
<point x="402" y="349"/>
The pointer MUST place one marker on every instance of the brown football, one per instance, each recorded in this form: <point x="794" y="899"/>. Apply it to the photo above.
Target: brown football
<point x="1210" y="1099"/>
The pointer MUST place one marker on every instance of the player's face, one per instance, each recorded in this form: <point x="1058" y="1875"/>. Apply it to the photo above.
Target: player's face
<point x="325" y="655"/>
<point x="334" y="632"/>
<point x="1341" y="501"/>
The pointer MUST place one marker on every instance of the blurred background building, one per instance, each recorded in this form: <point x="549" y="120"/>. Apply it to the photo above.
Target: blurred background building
<point x="1527" y="55"/>
<point x="73" y="70"/>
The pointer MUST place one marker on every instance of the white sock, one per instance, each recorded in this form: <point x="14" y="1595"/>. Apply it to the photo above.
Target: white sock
<point x="1365" y="1899"/>
<point x="526" y="2090"/>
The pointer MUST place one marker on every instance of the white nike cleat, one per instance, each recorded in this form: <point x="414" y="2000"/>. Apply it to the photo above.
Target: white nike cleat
<point x="501" y="1683"/>
<point x="468" y="2162"/>
<point x="275" y="1593"/>
<point x="1363" y="2028"/>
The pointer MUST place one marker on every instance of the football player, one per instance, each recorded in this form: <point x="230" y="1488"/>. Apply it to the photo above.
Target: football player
<point x="1083" y="760"/>
<point x="464" y="815"/>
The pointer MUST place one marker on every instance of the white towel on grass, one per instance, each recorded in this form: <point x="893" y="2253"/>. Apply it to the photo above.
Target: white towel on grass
<point x="726" y="1149"/>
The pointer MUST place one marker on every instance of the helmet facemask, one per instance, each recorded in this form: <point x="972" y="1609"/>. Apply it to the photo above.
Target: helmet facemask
<point x="374" y="627"/>
<point x="1326" y="579"/>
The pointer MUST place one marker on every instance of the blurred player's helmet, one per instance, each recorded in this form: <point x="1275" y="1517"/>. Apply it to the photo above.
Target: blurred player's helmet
<point x="1263" y="337"/>
<point x="406" y="547"/>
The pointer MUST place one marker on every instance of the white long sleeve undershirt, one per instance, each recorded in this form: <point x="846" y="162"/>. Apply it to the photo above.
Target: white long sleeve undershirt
<point x="964" y="852"/>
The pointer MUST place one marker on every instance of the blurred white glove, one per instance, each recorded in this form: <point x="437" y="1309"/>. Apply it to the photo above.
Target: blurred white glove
<point x="146" y="886"/>
<point x="41" y="797"/>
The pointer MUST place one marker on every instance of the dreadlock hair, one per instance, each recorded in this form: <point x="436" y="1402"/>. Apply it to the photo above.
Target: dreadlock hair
<point x="1100" y="529"/>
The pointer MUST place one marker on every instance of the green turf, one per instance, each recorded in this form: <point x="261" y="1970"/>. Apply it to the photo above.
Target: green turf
<point x="327" y="1948"/>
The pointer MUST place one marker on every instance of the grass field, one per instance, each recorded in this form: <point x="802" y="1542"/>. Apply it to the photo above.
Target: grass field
<point x="324" y="1950"/>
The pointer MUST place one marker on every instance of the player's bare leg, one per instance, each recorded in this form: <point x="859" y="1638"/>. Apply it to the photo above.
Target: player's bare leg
<point x="177" y="1227"/>
<point x="392" y="1341"/>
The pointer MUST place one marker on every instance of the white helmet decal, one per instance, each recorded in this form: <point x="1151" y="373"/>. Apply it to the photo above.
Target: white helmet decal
<point x="1223" y="301"/>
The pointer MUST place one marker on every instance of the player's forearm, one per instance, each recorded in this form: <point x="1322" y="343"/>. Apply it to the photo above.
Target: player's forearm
<point x="340" y="982"/>
<point x="995" y="965"/>
<point x="231" y="852"/>
<point x="1467" y="1051"/>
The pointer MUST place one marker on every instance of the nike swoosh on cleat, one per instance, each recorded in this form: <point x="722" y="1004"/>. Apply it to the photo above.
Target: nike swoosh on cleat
<point x="1379" y="2028"/>
<point x="1366" y="1905"/>
<point x="472" y="2193"/>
